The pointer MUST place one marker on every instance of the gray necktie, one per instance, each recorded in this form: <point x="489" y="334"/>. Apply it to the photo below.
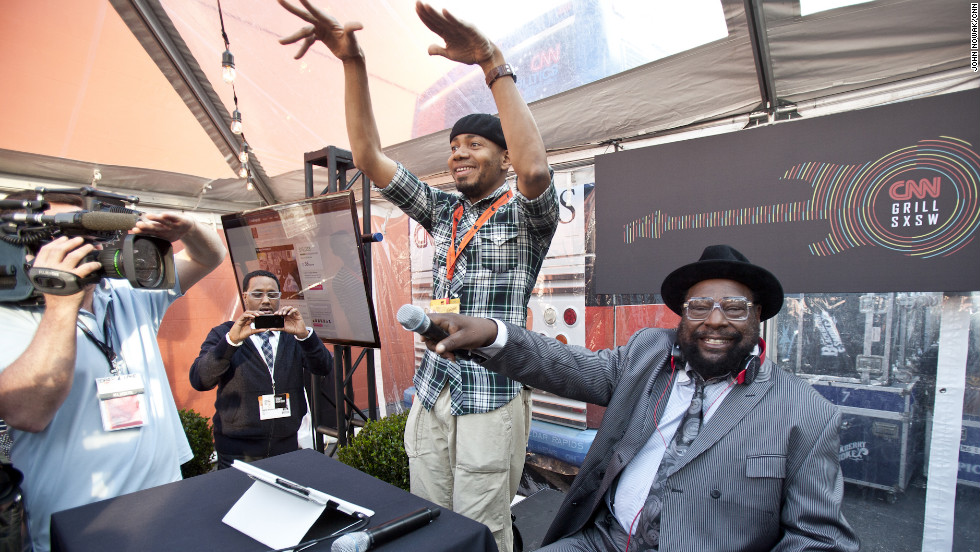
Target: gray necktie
<point x="647" y="532"/>
<point x="267" y="349"/>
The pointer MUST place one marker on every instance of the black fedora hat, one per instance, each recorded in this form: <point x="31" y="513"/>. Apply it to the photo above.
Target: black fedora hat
<point x="726" y="263"/>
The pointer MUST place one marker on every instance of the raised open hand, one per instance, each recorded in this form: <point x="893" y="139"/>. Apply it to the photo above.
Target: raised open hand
<point x="464" y="43"/>
<point x="339" y="38"/>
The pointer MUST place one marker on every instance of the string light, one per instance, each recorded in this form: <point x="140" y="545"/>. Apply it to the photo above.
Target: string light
<point x="228" y="67"/>
<point x="228" y="74"/>
<point x="236" y="122"/>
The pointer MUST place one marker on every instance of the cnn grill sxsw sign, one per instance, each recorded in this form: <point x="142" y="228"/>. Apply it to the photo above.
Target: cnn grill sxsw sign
<point x="915" y="214"/>
<point x="930" y="204"/>
<point x="881" y="199"/>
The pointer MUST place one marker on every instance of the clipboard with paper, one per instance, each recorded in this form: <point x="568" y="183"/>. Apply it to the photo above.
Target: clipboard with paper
<point x="279" y="513"/>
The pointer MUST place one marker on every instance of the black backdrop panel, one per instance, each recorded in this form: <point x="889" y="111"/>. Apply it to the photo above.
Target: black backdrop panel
<point x="873" y="200"/>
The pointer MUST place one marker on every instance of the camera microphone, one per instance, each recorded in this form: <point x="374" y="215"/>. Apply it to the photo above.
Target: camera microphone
<point x="414" y="319"/>
<point x="106" y="222"/>
<point x="96" y="221"/>
<point x="362" y="541"/>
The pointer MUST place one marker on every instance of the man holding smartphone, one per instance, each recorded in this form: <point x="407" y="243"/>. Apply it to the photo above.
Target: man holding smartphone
<point x="257" y="363"/>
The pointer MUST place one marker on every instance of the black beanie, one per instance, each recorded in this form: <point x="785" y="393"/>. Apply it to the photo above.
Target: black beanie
<point x="480" y="124"/>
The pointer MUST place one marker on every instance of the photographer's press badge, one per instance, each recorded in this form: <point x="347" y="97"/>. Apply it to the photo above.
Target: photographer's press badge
<point x="274" y="406"/>
<point x="122" y="401"/>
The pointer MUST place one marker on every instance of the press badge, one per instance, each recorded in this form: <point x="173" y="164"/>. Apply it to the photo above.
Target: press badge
<point x="444" y="305"/>
<point x="122" y="402"/>
<point x="274" y="406"/>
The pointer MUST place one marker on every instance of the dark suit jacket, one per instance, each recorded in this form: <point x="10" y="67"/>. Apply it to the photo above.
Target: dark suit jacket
<point x="241" y="375"/>
<point x="763" y="474"/>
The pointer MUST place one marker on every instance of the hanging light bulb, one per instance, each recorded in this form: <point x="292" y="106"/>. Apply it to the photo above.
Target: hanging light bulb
<point x="228" y="67"/>
<point x="243" y="172"/>
<point x="243" y="154"/>
<point x="236" y="122"/>
<point x="248" y="185"/>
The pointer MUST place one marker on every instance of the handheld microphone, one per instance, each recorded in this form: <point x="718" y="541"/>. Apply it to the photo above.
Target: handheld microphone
<point x="362" y="541"/>
<point x="87" y="220"/>
<point x="414" y="319"/>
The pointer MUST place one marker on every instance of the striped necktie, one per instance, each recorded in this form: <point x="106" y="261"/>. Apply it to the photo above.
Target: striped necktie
<point x="647" y="533"/>
<point x="267" y="349"/>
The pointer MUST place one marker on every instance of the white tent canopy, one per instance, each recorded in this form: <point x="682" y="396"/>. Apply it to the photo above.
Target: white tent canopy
<point x="774" y="63"/>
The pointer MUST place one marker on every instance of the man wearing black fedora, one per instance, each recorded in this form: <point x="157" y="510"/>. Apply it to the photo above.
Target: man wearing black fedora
<point x="705" y="444"/>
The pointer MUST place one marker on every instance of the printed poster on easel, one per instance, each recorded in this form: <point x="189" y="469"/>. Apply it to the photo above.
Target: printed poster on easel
<point x="314" y="248"/>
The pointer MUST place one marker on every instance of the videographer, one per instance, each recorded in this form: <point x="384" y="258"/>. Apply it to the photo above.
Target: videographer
<point x="74" y="443"/>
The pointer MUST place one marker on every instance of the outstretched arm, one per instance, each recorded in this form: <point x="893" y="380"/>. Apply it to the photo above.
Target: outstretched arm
<point x="362" y="129"/>
<point x="465" y="333"/>
<point x="466" y="44"/>
<point x="543" y="362"/>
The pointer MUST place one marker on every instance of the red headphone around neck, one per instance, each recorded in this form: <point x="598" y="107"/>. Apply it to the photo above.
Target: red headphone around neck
<point x="746" y="375"/>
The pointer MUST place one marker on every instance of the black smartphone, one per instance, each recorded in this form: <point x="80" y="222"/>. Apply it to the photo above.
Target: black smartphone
<point x="264" y="321"/>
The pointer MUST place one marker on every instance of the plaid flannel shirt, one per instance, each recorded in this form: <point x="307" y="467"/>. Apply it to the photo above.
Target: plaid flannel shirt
<point x="493" y="277"/>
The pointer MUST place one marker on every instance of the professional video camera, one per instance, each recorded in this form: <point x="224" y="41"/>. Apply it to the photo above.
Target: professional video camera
<point x="145" y="261"/>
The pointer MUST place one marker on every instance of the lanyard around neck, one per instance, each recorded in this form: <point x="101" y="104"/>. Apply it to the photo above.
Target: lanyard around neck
<point x="272" y="373"/>
<point x="453" y="254"/>
<point x="116" y="363"/>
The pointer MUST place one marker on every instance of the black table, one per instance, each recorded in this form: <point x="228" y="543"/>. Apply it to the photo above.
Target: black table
<point x="186" y="515"/>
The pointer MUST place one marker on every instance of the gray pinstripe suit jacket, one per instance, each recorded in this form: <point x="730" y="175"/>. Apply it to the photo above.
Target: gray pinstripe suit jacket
<point x="763" y="474"/>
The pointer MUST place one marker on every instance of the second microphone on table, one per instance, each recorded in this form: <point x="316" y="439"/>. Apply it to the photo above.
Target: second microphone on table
<point x="388" y="531"/>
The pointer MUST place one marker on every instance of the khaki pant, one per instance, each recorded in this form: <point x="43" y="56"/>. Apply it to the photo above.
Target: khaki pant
<point x="471" y="464"/>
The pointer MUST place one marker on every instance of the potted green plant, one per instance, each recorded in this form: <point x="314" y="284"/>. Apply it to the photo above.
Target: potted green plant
<point x="198" y="431"/>
<point x="378" y="450"/>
